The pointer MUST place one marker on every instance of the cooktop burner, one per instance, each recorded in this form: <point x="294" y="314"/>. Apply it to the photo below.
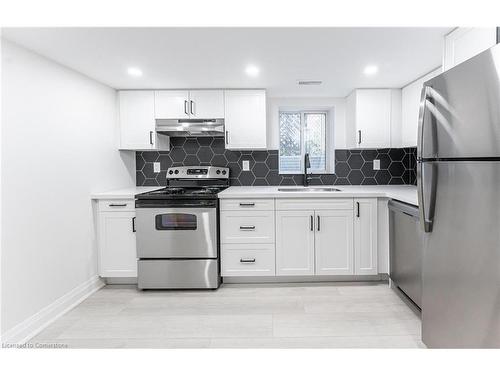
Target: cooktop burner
<point x="191" y="183"/>
<point x="179" y="192"/>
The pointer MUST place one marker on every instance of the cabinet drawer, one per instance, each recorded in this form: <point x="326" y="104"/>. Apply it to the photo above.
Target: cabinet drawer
<point x="247" y="260"/>
<point x="314" y="204"/>
<point x="247" y="227"/>
<point x="116" y="205"/>
<point x="247" y="204"/>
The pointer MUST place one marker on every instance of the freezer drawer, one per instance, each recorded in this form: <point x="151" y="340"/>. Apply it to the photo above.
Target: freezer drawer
<point x="178" y="274"/>
<point x="406" y="249"/>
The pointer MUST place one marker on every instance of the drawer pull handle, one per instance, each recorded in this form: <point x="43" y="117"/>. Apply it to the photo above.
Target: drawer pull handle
<point x="247" y="260"/>
<point x="247" y="227"/>
<point x="247" y="204"/>
<point x="118" y="205"/>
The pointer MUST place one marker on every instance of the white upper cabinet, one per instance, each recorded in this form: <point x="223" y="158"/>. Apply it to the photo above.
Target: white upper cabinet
<point x="370" y="117"/>
<point x="465" y="42"/>
<point x="245" y="119"/>
<point x="137" y="122"/>
<point x="206" y="104"/>
<point x="365" y="236"/>
<point x="201" y="104"/>
<point x="170" y="104"/>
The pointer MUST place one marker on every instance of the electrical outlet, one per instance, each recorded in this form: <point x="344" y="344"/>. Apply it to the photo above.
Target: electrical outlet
<point x="246" y="165"/>
<point x="156" y="167"/>
<point x="376" y="164"/>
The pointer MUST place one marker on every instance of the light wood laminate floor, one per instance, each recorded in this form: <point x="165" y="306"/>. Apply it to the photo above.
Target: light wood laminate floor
<point x="326" y="315"/>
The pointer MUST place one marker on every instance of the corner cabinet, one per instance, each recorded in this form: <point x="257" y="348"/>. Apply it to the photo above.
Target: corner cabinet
<point x="137" y="122"/>
<point x="245" y="119"/>
<point x="117" y="255"/>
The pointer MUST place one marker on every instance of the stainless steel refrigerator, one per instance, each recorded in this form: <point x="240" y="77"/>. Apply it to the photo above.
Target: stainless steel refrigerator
<point x="458" y="181"/>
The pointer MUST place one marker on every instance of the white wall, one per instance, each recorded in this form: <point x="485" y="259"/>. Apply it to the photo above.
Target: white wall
<point x="410" y="107"/>
<point x="337" y="120"/>
<point x="58" y="146"/>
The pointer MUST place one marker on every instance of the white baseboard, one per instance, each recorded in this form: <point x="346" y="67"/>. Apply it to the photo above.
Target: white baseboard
<point x="30" y="327"/>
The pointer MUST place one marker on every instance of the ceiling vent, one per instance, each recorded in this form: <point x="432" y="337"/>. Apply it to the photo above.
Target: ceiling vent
<point x="310" y="82"/>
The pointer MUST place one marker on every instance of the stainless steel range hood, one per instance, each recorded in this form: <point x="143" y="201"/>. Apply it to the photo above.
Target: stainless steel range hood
<point x="191" y="127"/>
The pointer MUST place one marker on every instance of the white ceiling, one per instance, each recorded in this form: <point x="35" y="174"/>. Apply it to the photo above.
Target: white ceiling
<point x="217" y="57"/>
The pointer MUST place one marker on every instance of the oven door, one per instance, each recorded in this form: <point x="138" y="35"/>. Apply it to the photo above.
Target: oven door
<point x="176" y="231"/>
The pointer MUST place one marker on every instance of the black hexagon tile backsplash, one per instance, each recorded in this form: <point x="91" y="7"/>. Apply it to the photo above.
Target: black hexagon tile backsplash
<point x="352" y="167"/>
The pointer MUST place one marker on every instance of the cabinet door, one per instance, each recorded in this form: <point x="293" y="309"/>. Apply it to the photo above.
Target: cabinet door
<point x="137" y="122"/>
<point x="245" y="119"/>
<point x="365" y="236"/>
<point x="170" y="104"/>
<point x="294" y="243"/>
<point x="334" y="242"/>
<point x="117" y="249"/>
<point x="373" y="118"/>
<point x="206" y="104"/>
<point x="465" y="42"/>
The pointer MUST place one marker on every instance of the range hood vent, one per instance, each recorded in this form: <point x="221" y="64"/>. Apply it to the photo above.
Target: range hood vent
<point x="191" y="127"/>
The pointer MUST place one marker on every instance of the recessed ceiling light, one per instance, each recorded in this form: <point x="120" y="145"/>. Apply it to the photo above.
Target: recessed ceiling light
<point x="370" y="70"/>
<point x="136" y="72"/>
<point x="252" y="70"/>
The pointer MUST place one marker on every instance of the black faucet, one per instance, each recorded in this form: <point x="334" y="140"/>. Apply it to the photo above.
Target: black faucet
<point x="307" y="164"/>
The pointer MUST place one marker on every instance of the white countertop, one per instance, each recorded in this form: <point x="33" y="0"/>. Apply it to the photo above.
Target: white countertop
<point x="125" y="193"/>
<point x="404" y="193"/>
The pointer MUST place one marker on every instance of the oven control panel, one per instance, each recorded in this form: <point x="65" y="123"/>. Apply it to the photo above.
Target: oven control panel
<point x="198" y="172"/>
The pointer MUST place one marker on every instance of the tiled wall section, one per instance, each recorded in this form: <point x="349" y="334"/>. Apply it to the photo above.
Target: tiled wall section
<point x="352" y="167"/>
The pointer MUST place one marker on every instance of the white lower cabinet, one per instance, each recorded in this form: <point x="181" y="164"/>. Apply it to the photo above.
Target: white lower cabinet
<point x="294" y="243"/>
<point x="307" y="237"/>
<point x="334" y="242"/>
<point x="365" y="236"/>
<point x="248" y="260"/>
<point x="116" y="239"/>
<point x="247" y="227"/>
<point x="247" y="237"/>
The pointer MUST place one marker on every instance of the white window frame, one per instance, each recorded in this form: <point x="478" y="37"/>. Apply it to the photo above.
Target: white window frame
<point x="303" y="112"/>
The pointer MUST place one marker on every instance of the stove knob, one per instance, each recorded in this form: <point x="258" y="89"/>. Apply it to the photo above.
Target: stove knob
<point x="218" y="171"/>
<point x="224" y="172"/>
<point x="170" y="172"/>
<point x="176" y="171"/>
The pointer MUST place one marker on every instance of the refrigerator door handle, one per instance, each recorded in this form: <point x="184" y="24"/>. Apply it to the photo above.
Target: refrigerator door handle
<point x="421" y="115"/>
<point x="426" y="186"/>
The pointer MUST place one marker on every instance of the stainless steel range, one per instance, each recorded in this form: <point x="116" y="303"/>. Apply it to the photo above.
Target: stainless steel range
<point x="178" y="230"/>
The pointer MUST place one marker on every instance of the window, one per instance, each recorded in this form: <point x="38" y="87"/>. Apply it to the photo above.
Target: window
<point x="302" y="132"/>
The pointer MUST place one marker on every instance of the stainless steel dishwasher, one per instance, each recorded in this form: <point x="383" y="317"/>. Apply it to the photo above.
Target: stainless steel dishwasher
<point x="405" y="244"/>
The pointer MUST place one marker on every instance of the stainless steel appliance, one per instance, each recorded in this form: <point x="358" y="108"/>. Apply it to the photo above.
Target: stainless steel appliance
<point x="405" y="244"/>
<point x="191" y="127"/>
<point x="177" y="230"/>
<point x="459" y="201"/>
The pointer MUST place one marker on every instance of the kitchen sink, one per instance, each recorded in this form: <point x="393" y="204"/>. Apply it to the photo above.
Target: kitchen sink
<point x="298" y="189"/>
